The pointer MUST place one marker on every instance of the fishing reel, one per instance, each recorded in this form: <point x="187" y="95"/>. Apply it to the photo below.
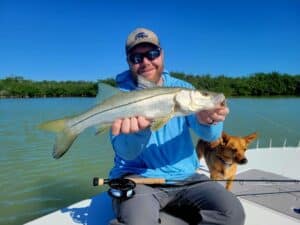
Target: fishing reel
<point x="120" y="188"/>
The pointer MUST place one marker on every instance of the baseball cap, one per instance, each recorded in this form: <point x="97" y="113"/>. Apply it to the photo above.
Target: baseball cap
<point x="141" y="35"/>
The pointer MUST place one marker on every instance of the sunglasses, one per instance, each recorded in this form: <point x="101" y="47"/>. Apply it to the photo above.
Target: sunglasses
<point x="137" y="58"/>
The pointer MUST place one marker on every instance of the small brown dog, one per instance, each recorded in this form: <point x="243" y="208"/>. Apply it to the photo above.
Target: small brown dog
<point x="223" y="156"/>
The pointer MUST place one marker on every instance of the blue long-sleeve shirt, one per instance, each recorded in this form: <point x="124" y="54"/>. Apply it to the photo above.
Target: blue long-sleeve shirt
<point x="166" y="153"/>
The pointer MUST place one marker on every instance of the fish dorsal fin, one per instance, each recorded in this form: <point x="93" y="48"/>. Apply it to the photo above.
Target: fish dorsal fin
<point x="142" y="83"/>
<point x="105" y="91"/>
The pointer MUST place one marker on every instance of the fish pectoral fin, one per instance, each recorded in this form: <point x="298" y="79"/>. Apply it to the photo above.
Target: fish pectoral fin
<point x="102" y="129"/>
<point x="159" y="123"/>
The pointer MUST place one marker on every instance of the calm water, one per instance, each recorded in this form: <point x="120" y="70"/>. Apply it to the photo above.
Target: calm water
<point x="34" y="184"/>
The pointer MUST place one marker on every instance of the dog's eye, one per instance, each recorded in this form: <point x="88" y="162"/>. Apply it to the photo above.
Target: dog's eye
<point x="234" y="150"/>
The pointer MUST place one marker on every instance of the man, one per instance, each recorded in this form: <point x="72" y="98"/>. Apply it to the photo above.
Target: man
<point x="166" y="153"/>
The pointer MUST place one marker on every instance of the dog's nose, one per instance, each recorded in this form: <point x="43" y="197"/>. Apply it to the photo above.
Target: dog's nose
<point x="244" y="161"/>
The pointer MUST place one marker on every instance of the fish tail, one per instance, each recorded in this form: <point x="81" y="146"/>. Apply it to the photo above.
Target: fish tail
<point x="65" y="136"/>
<point x="64" y="140"/>
<point x="54" y="125"/>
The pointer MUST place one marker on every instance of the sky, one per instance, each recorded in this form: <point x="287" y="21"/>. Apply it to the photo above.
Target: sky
<point x="85" y="39"/>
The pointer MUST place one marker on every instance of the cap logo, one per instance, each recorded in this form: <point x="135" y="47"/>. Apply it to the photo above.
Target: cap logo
<point x="141" y="35"/>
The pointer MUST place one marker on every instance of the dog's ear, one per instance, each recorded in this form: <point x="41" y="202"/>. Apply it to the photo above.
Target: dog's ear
<point x="225" y="137"/>
<point x="251" y="137"/>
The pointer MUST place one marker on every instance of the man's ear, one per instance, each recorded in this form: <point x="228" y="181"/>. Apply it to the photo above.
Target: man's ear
<point x="128" y="61"/>
<point x="162" y="53"/>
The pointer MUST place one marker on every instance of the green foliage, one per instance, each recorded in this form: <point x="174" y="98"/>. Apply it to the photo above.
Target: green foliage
<point x="16" y="86"/>
<point x="258" y="84"/>
<point x="109" y="81"/>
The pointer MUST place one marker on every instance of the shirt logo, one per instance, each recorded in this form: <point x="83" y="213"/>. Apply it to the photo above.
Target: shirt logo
<point x="141" y="35"/>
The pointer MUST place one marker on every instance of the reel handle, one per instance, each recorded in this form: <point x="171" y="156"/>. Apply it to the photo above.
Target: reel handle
<point x="99" y="181"/>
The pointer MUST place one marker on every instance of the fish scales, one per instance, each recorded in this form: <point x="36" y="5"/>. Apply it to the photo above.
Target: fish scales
<point x="154" y="102"/>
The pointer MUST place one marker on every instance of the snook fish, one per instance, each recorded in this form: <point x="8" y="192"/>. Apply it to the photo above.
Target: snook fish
<point x="159" y="104"/>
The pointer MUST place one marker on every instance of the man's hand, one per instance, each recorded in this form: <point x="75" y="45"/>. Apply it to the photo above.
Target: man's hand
<point x="129" y="125"/>
<point x="213" y="116"/>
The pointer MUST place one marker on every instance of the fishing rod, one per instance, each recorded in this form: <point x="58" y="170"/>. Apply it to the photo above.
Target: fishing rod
<point x="141" y="180"/>
<point x="123" y="188"/>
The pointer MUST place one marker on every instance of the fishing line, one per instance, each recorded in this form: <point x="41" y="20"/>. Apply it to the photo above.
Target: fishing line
<point x="268" y="193"/>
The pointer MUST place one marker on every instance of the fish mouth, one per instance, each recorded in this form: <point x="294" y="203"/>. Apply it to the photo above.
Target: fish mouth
<point x="219" y="100"/>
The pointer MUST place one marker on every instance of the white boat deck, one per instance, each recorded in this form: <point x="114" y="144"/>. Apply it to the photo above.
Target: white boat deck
<point x="281" y="161"/>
